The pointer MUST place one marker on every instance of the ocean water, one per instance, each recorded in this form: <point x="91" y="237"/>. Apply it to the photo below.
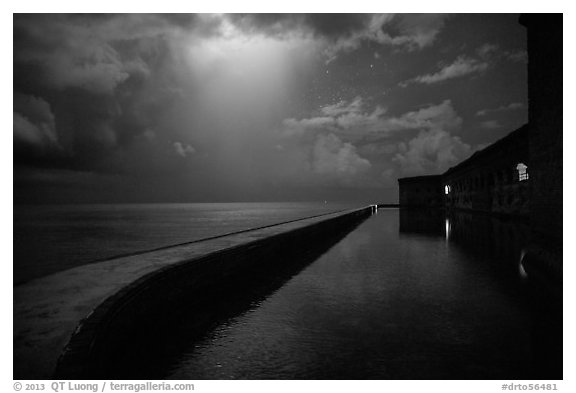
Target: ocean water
<point x="48" y="239"/>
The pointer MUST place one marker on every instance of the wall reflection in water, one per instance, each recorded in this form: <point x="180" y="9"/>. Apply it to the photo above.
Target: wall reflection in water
<point x="500" y="240"/>
<point x="499" y="243"/>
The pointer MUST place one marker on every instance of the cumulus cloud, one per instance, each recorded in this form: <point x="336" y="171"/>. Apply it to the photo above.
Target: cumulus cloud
<point x="343" y="117"/>
<point x="362" y="122"/>
<point x="343" y="107"/>
<point x="34" y="128"/>
<point x="434" y="149"/>
<point x="297" y="128"/>
<point x="431" y="152"/>
<point x="77" y="51"/>
<point x="441" y="116"/>
<point x="462" y="66"/>
<point x="183" y="149"/>
<point x="353" y="120"/>
<point x="502" y="108"/>
<point x="29" y="133"/>
<point x="334" y="159"/>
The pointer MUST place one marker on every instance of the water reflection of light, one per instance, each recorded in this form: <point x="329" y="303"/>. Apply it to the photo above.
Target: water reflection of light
<point x="521" y="269"/>
<point x="448" y="229"/>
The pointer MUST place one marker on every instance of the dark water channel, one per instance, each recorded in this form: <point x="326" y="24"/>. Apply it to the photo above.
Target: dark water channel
<point x="405" y="295"/>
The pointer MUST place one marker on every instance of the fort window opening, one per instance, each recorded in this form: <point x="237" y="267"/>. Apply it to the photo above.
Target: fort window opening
<point x="522" y="172"/>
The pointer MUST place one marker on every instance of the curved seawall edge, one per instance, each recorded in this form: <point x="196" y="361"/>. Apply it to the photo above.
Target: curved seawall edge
<point x="62" y="322"/>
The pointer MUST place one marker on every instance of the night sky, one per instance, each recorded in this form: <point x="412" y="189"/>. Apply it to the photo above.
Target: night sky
<point x="221" y="108"/>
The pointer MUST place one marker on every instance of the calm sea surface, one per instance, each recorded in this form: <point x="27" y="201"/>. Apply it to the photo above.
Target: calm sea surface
<point x="48" y="239"/>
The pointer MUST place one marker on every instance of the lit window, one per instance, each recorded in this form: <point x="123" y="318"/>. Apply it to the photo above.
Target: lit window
<point x="522" y="172"/>
<point x="446" y="189"/>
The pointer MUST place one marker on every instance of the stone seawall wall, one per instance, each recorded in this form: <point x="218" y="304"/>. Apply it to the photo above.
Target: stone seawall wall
<point x="123" y="327"/>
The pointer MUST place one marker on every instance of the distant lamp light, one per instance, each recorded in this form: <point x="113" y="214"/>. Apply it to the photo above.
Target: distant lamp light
<point x="522" y="172"/>
<point x="521" y="269"/>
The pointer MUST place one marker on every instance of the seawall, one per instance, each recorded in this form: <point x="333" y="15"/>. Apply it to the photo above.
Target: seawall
<point x="84" y="322"/>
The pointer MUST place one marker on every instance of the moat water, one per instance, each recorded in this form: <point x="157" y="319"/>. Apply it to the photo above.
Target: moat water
<point x="405" y="295"/>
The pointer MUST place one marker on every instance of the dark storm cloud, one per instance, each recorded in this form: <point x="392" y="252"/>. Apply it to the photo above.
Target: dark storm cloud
<point x="337" y="25"/>
<point x="94" y="53"/>
<point x="91" y="73"/>
<point x="331" y="26"/>
<point x="346" y="32"/>
<point x="35" y="138"/>
<point x="422" y="27"/>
